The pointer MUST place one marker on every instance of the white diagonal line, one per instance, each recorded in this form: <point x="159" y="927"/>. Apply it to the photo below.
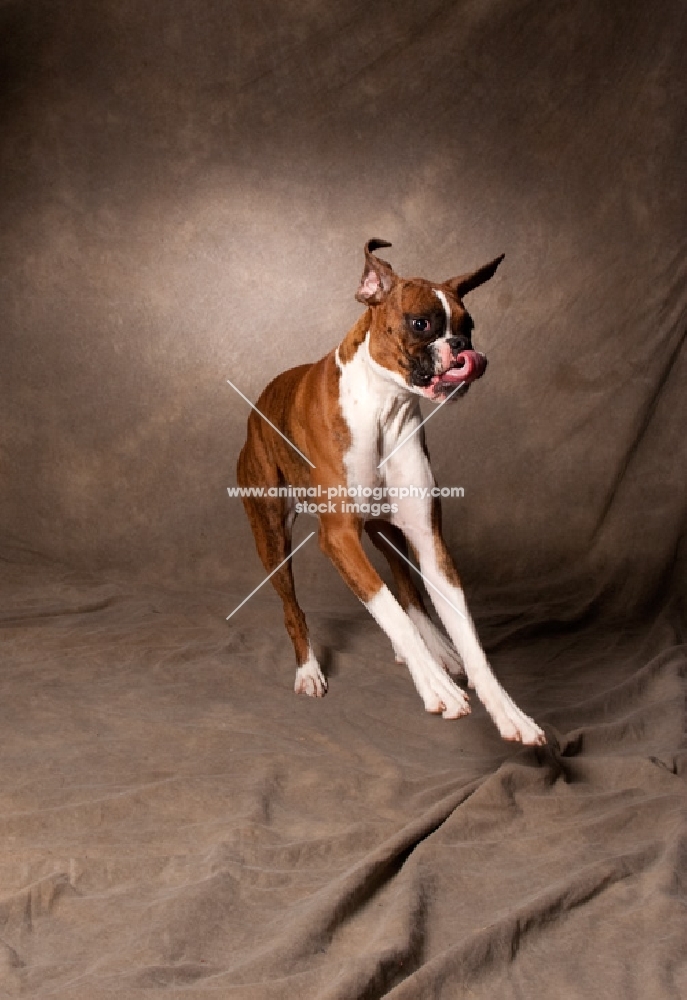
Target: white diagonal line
<point x="271" y="574"/>
<point x="435" y="410"/>
<point x="428" y="582"/>
<point x="271" y="424"/>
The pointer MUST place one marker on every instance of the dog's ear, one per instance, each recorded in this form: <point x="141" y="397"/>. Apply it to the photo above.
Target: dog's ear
<point x="465" y="283"/>
<point x="378" y="276"/>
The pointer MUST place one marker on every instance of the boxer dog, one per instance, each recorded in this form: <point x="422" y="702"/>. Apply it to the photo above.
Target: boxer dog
<point x="347" y="414"/>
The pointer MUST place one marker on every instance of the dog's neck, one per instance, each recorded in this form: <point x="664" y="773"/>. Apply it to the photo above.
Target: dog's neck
<point x="372" y="397"/>
<point x="373" y="380"/>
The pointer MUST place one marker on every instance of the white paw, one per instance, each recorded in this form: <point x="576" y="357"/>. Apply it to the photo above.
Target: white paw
<point x="310" y="680"/>
<point x="515" y="725"/>
<point x="439" y="646"/>
<point x="442" y="697"/>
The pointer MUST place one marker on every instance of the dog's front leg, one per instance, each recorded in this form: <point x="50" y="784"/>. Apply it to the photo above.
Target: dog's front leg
<point x="447" y="595"/>
<point x="341" y="542"/>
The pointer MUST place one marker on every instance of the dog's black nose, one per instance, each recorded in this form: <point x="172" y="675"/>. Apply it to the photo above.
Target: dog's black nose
<point x="458" y="344"/>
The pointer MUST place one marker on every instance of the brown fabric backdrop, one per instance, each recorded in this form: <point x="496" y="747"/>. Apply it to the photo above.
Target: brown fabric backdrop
<point x="185" y="189"/>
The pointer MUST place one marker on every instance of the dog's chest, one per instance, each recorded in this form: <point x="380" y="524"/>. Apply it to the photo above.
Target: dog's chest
<point x="379" y="416"/>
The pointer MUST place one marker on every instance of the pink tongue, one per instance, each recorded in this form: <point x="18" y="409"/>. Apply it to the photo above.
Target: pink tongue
<point x="454" y="375"/>
<point x="472" y="367"/>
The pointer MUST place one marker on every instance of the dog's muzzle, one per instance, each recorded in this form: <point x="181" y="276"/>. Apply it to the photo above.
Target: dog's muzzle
<point x="466" y="367"/>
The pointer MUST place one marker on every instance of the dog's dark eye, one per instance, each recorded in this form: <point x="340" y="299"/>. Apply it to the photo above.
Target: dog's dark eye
<point x="420" y="325"/>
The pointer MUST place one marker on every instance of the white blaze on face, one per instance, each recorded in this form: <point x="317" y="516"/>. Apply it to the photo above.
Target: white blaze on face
<point x="440" y="347"/>
<point x="447" y="309"/>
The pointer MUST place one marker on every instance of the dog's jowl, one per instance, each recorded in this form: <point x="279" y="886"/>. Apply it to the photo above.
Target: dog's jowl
<point x="353" y="414"/>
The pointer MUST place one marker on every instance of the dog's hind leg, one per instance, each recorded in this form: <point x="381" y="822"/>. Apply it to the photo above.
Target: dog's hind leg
<point x="271" y="519"/>
<point x="391" y="542"/>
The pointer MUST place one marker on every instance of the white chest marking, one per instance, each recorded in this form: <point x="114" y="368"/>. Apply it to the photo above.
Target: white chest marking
<point x="380" y="410"/>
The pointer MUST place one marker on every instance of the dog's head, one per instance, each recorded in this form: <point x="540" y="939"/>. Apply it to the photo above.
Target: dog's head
<point x="420" y="331"/>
